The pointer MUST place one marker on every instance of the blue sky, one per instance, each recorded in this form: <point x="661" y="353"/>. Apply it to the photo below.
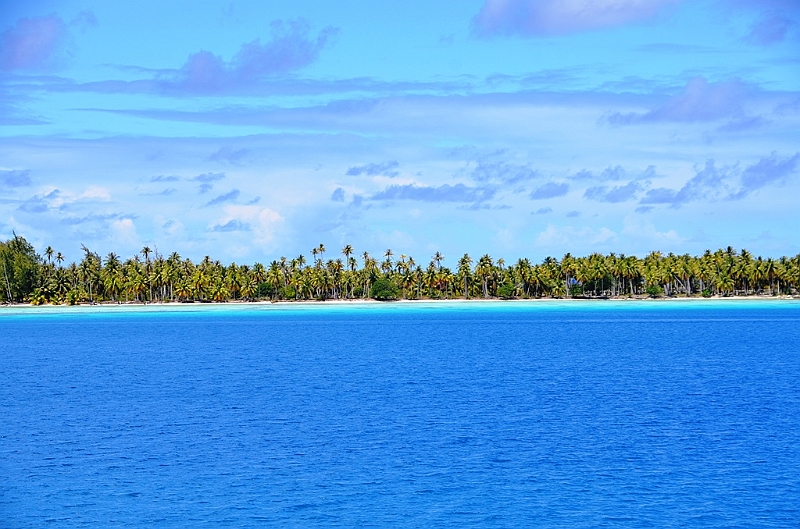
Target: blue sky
<point x="518" y="128"/>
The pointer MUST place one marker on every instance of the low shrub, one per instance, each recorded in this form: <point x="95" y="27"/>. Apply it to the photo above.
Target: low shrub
<point x="384" y="290"/>
<point x="654" y="291"/>
<point x="505" y="291"/>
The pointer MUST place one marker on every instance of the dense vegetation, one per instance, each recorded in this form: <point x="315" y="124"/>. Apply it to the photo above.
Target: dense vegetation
<point x="150" y="277"/>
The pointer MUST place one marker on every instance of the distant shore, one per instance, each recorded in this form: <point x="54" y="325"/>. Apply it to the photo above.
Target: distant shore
<point x="373" y="302"/>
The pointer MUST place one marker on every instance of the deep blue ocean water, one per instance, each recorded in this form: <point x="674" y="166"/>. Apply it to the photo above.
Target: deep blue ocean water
<point x="628" y="414"/>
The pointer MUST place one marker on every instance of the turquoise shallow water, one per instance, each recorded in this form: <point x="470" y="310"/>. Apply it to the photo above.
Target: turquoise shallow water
<point x="486" y="414"/>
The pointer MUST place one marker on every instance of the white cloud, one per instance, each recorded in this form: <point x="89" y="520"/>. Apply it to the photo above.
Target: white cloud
<point x="396" y="240"/>
<point x="647" y="232"/>
<point x="555" y="17"/>
<point x="262" y="222"/>
<point x="569" y="236"/>
<point x="124" y="231"/>
<point x="97" y="193"/>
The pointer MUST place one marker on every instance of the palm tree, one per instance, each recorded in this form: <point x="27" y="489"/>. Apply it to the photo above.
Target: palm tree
<point x="183" y="289"/>
<point x="249" y="287"/>
<point x="232" y="279"/>
<point x="583" y="273"/>
<point x="219" y="292"/>
<point x="347" y="251"/>
<point x="464" y="266"/>
<point x="724" y="271"/>
<point x="370" y="272"/>
<point x="386" y="266"/>
<point x="769" y="271"/>
<point x="198" y="282"/>
<point x="568" y="266"/>
<point x="136" y="283"/>
<point x="484" y="270"/>
<point x="88" y="271"/>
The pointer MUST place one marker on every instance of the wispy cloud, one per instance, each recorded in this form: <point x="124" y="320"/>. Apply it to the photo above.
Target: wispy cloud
<point x="229" y="155"/>
<point x="769" y="29"/>
<point x="710" y="182"/>
<point x="208" y="177"/>
<point x="256" y="69"/>
<point x="93" y="217"/>
<point x="338" y="195"/>
<point x="610" y="173"/>
<point x="502" y="172"/>
<point x="613" y="194"/>
<point x="15" y="178"/>
<point x="375" y="169"/>
<point x="728" y="182"/>
<point x="443" y="193"/>
<point x="744" y="124"/>
<point x="767" y="171"/>
<point x="40" y="203"/>
<point x="207" y="181"/>
<point x="232" y="225"/>
<point x="227" y="197"/>
<point x="700" y="101"/>
<point x="674" y="48"/>
<point x="13" y="109"/>
<point x="557" y="17"/>
<point x="290" y="47"/>
<point x="549" y="190"/>
<point x="164" y="178"/>
<point x="33" y="44"/>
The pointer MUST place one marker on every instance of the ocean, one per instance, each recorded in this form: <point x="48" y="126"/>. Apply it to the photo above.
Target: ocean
<point x="502" y="414"/>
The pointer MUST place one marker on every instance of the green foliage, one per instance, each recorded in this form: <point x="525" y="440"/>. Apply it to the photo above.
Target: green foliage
<point x="654" y="291"/>
<point x="150" y="276"/>
<point x="38" y="297"/>
<point x="73" y="297"/>
<point x="384" y="290"/>
<point x="264" y="290"/>
<point x="288" y="292"/>
<point x="505" y="291"/>
<point x="19" y="269"/>
<point x="598" y="285"/>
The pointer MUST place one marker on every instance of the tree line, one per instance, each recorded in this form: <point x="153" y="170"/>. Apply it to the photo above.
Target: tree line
<point x="152" y="277"/>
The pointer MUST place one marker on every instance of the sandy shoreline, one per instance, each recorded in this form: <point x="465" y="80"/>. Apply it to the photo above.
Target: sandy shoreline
<point x="371" y="302"/>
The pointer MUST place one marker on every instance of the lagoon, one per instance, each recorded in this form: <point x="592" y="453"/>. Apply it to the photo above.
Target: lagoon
<point x="478" y="414"/>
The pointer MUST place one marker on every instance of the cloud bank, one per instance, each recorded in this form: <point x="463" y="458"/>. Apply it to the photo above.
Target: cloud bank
<point x="700" y="101"/>
<point x="33" y="44"/>
<point x="291" y="47"/>
<point x="443" y="193"/>
<point x="549" y="190"/>
<point x="375" y="169"/>
<point x="14" y="178"/>
<point x="769" y="30"/>
<point x="529" y="18"/>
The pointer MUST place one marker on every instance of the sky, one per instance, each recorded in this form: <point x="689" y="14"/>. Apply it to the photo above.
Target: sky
<point x="248" y="131"/>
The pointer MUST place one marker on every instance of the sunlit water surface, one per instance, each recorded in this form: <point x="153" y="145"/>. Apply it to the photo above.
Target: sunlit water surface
<point x="494" y="414"/>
